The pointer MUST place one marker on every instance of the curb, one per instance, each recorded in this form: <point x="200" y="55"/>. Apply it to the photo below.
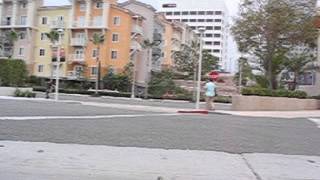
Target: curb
<point x="193" y="112"/>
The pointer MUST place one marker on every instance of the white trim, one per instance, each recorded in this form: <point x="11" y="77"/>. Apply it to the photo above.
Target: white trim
<point x="118" y="34"/>
<point x="40" y="52"/>
<point x="113" y="20"/>
<point x="114" y="50"/>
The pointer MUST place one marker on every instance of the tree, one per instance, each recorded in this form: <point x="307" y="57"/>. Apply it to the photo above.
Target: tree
<point x="186" y="61"/>
<point x="269" y="29"/>
<point x="245" y="72"/>
<point x="13" y="72"/>
<point x="118" y="82"/>
<point x="11" y="38"/>
<point x="97" y="40"/>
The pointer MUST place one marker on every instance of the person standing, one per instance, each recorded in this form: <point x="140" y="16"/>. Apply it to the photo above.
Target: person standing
<point x="210" y="88"/>
<point x="50" y="86"/>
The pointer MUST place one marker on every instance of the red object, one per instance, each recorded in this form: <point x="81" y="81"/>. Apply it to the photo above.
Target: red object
<point x="214" y="75"/>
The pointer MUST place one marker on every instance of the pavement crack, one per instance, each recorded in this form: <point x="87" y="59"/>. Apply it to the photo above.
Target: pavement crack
<point x="258" y="177"/>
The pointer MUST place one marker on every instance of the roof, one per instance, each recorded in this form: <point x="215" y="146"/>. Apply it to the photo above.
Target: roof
<point x="137" y="3"/>
<point x="54" y="7"/>
<point x="127" y="11"/>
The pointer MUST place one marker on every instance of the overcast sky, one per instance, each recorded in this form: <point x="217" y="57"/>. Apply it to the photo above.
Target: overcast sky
<point x="232" y="4"/>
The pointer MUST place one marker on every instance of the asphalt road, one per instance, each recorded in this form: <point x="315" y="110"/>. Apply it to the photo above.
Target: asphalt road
<point x="199" y="132"/>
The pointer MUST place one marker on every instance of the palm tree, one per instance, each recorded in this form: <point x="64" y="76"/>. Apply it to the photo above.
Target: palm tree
<point x="97" y="40"/>
<point x="53" y="36"/>
<point x="12" y="37"/>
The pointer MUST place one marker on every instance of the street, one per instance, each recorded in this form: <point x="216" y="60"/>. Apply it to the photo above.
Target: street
<point x="73" y="123"/>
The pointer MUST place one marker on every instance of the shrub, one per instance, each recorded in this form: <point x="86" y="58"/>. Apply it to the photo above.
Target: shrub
<point x="255" y="91"/>
<point x="13" y="72"/>
<point x="28" y="94"/>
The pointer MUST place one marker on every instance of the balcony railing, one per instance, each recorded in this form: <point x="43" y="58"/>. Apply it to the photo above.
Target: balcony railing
<point x="79" y="24"/>
<point x="137" y="29"/>
<point x="57" y="24"/>
<point x="77" y="58"/>
<point x="135" y="45"/>
<point x="78" y="42"/>
<point x="96" y="23"/>
<point x="75" y="75"/>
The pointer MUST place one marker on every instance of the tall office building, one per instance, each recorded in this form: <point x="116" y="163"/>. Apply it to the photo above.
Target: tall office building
<point x="211" y="14"/>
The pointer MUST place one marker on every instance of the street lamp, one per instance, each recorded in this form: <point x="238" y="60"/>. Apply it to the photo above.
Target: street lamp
<point x="60" y="31"/>
<point x="201" y="31"/>
<point x="133" y="85"/>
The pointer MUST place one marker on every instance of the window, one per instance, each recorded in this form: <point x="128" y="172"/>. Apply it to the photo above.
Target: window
<point x="210" y="12"/>
<point x="42" y="52"/>
<point x="23" y="20"/>
<point x="217" y="20"/>
<point x="21" y="51"/>
<point x="201" y="13"/>
<point x="192" y="20"/>
<point x="217" y="28"/>
<point x="8" y="20"/>
<point x="216" y="51"/>
<point x="99" y="5"/>
<point x="177" y="13"/>
<point x="185" y="13"/>
<point x="209" y="28"/>
<point x="115" y="37"/>
<point x="218" y="13"/>
<point x="193" y="27"/>
<point x="184" y="20"/>
<point x="114" y="54"/>
<point x="209" y="20"/>
<point x="22" y="36"/>
<point x="169" y="13"/>
<point x="40" y="68"/>
<point x="193" y="12"/>
<point x="201" y="20"/>
<point x="217" y="35"/>
<point x="23" y="5"/>
<point x="116" y="21"/>
<point x="83" y="7"/>
<point x="43" y="36"/>
<point x="208" y="43"/>
<point x="94" y="71"/>
<point x="216" y="43"/>
<point x="44" y="20"/>
<point x="209" y="35"/>
<point x="94" y="53"/>
<point x="97" y="21"/>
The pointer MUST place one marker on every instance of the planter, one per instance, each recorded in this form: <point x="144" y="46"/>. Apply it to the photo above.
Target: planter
<point x="258" y="103"/>
<point x="9" y="91"/>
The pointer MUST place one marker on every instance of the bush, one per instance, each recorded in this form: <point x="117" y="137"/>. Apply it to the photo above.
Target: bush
<point x="254" y="91"/>
<point x="13" y="72"/>
<point x="28" y="94"/>
<point x="118" y="82"/>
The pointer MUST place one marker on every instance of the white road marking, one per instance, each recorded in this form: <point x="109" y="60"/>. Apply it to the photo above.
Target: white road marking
<point x="316" y="121"/>
<point x="83" y="117"/>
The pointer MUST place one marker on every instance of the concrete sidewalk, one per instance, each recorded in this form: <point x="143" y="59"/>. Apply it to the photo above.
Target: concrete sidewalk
<point x="38" y="161"/>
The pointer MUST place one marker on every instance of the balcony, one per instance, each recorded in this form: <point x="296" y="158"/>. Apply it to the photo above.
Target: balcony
<point x="96" y="23"/>
<point x="176" y="36"/>
<point x="137" y="29"/>
<point x="79" y="24"/>
<point x="74" y="75"/>
<point x="76" y="58"/>
<point x="78" y="42"/>
<point x="57" y="24"/>
<point x="136" y="46"/>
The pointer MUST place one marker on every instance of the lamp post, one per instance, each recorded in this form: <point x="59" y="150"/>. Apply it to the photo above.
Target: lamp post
<point x="201" y="31"/>
<point x="60" y="31"/>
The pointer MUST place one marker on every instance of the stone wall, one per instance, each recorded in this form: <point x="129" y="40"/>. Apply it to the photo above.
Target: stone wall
<point x="9" y="91"/>
<point x="257" y="103"/>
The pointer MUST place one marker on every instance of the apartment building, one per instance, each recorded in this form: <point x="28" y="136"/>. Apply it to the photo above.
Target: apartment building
<point x="205" y="13"/>
<point x="19" y="16"/>
<point x="176" y="34"/>
<point x="45" y="62"/>
<point x="120" y="28"/>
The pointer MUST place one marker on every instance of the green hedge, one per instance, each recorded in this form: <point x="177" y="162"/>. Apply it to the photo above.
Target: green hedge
<point x="219" y="99"/>
<point x="273" y="93"/>
<point x="13" y="72"/>
<point x="28" y="94"/>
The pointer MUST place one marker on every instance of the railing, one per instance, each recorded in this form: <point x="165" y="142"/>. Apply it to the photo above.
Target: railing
<point x="57" y="24"/>
<point x="79" y="24"/>
<point x="76" y="58"/>
<point x="137" y="29"/>
<point x="135" y="45"/>
<point x="75" y="75"/>
<point x="78" y="42"/>
<point x="96" y="23"/>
